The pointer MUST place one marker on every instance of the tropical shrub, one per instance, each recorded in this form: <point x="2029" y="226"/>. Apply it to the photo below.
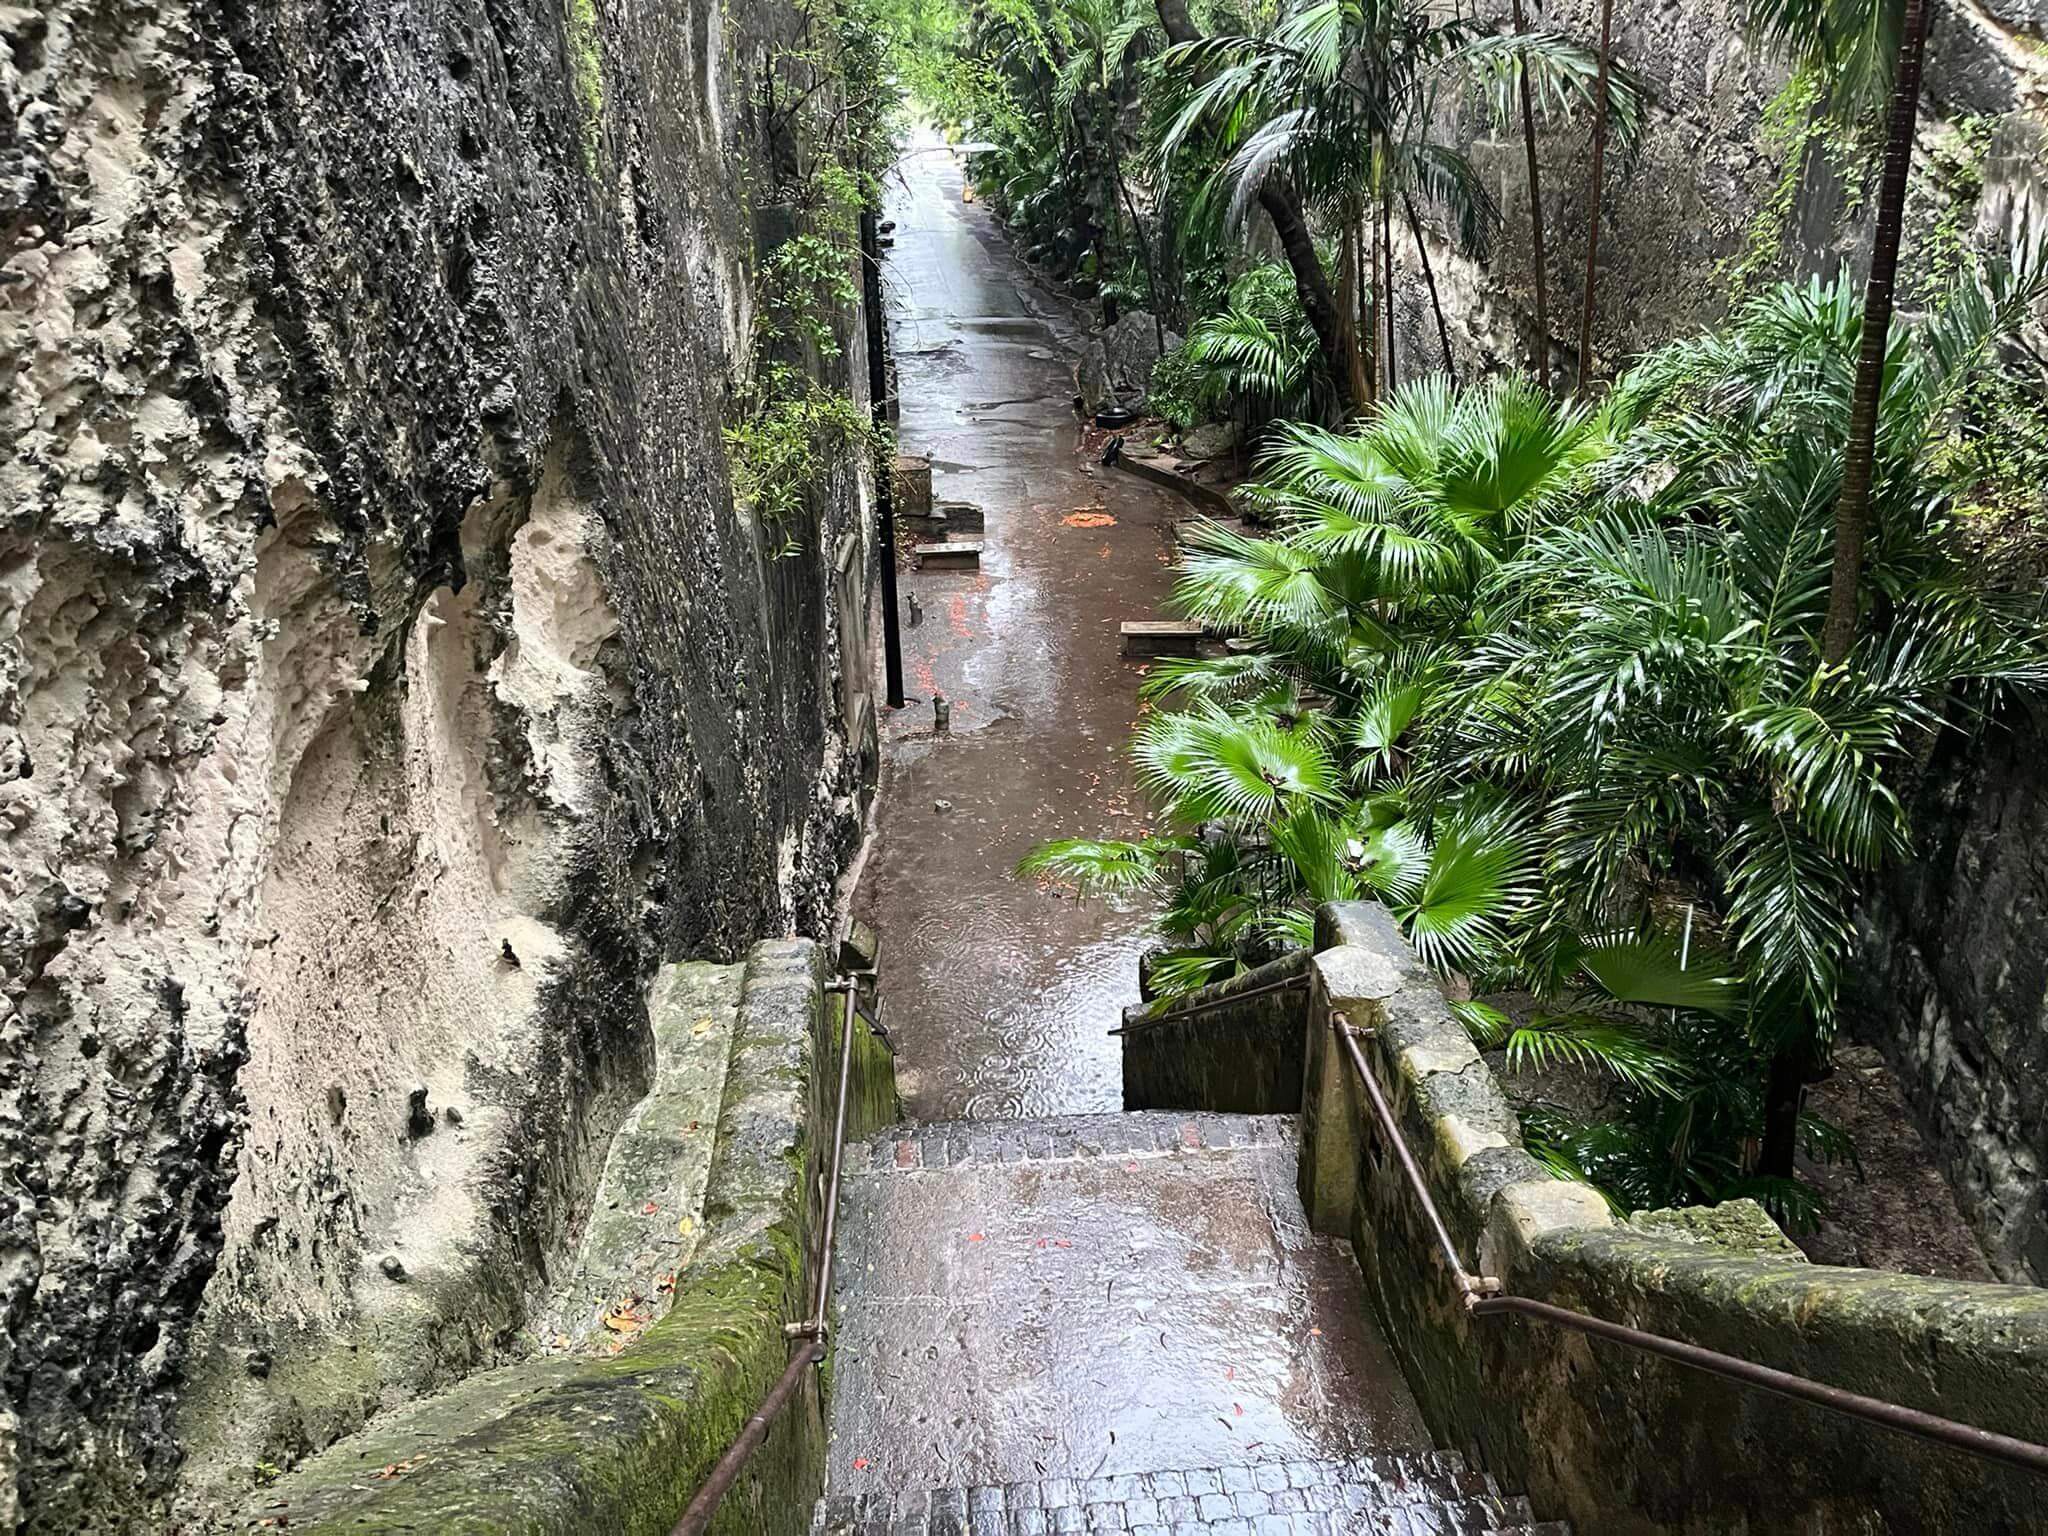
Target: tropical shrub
<point x="1547" y="681"/>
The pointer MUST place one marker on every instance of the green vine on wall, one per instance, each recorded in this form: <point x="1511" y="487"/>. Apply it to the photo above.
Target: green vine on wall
<point x="1794" y="127"/>
<point x="1952" y="178"/>
<point x="826" y="101"/>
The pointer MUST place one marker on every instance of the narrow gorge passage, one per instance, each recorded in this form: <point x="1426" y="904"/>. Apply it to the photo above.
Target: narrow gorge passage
<point x="1054" y="1316"/>
<point x="1000" y="995"/>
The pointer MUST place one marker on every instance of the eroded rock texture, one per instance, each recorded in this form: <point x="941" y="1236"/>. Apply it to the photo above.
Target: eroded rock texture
<point x="1719" y="195"/>
<point x="1954" y="984"/>
<point x="386" y="683"/>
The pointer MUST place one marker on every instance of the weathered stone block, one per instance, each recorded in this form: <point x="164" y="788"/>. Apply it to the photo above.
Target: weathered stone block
<point x="1160" y="637"/>
<point x="958" y="555"/>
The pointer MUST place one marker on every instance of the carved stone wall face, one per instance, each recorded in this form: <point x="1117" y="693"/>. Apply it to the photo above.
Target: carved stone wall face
<point x="1711" y="200"/>
<point x="387" y="682"/>
<point x="1952" y="983"/>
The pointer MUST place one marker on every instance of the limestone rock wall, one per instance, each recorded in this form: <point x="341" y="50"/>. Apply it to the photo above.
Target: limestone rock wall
<point x="387" y="682"/>
<point x="1953" y="983"/>
<point x="1716" y="196"/>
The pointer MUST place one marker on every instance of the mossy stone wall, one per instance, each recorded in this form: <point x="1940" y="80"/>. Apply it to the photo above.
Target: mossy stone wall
<point x="621" y="1443"/>
<point x="1618" y="1441"/>
<point x="1244" y="1058"/>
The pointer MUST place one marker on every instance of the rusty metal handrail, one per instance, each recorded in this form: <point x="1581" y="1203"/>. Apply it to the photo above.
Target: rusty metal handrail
<point x="696" y="1518"/>
<point x="1211" y="1004"/>
<point x="1485" y="1296"/>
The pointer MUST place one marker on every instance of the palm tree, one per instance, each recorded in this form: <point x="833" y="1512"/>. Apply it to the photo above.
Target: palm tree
<point x="1857" y="46"/>
<point x="1670" y="656"/>
<point x="1259" y="350"/>
<point x="1101" y="35"/>
<point x="1535" y="211"/>
<point x="1334" y="101"/>
<point x="1593" y="196"/>
<point x="1539" y="675"/>
<point x="1530" y="74"/>
<point x="1297" y="243"/>
<point x="1862" y="48"/>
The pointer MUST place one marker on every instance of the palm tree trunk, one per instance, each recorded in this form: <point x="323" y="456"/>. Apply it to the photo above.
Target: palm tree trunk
<point x="1593" y="204"/>
<point x="1443" y="332"/>
<point x="1852" y="507"/>
<point x="1535" y="212"/>
<point x="1784" y="1088"/>
<point x="1311" y="286"/>
<point x="1387" y="245"/>
<point x="1369" y="299"/>
<point x="1123" y="191"/>
<point x="1311" y="283"/>
<point x="1348" y="300"/>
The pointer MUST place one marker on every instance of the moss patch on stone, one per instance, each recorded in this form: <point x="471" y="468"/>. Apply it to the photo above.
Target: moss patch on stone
<point x="619" y="1443"/>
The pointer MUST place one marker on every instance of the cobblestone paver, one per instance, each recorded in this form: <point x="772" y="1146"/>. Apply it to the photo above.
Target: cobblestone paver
<point x="1434" y="1495"/>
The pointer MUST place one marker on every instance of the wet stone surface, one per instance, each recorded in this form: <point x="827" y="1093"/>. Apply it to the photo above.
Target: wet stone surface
<point x="1052" y="1316"/>
<point x="1000" y="994"/>
<point x="1092" y="1298"/>
<point x="1432" y="1495"/>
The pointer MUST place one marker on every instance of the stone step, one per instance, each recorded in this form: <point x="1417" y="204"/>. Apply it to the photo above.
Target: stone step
<point x="1428" y="1494"/>
<point x="1091" y="1295"/>
<point x="952" y="555"/>
<point x="966" y="1143"/>
<point x="647" y="1216"/>
<point x="1161" y="637"/>
<point x="950" y="517"/>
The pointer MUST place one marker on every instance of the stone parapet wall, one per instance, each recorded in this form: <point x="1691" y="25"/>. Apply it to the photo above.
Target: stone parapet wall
<point x="1219" y="1050"/>
<point x="1617" y="1440"/>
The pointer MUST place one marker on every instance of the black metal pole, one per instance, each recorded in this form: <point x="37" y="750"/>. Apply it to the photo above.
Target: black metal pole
<point x="885" y="476"/>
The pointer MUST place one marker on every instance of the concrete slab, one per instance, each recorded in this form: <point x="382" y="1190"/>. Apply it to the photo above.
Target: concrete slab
<point x="1093" y="1297"/>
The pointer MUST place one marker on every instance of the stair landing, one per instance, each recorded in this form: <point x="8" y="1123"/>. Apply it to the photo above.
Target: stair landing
<point x="1095" y="1297"/>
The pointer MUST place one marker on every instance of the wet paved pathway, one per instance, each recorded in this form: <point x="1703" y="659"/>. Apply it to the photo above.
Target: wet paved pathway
<point x="1054" y="1316"/>
<point x="1000" y="994"/>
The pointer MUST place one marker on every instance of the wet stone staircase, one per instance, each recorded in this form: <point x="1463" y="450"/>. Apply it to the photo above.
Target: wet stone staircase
<point x="1432" y="1495"/>
<point x="1116" y="1323"/>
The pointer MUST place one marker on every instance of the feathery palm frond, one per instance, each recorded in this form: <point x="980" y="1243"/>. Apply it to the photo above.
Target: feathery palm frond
<point x="1563" y="76"/>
